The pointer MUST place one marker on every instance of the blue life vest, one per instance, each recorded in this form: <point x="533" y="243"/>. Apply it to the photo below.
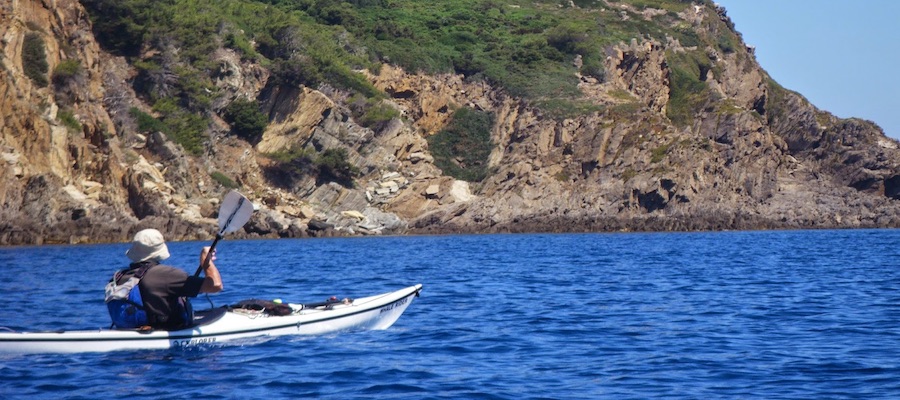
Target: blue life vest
<point x="126" y="309"/>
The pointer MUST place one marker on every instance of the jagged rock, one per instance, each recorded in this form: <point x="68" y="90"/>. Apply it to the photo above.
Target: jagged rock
<point x="381" y="222"/>
<point x="307" y="212"/>
<point x="264" y="223"/>
<point x="297" y="113"/>
<point x="158" y="143"/>
<point x="432" y="190"/>
<point x="419" y="156"/>
<point x="460" y="191"/>
<point x="319" y="225"/>
<point x="353" y="214"/>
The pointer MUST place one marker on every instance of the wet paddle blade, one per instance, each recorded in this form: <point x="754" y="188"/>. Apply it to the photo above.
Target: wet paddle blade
<point x="234" y="212"/>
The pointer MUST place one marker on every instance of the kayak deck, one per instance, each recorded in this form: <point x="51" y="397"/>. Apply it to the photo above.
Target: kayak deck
<point x="373" y="312"/>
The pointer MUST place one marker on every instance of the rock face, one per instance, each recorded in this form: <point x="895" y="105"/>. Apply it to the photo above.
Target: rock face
<point x="756" y="157"/>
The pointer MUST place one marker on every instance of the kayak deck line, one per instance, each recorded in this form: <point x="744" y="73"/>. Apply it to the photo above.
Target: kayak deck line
<point x="374" y="312"/>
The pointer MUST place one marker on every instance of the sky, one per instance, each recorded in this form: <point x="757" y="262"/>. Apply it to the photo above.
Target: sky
<point x="842" y="55"/>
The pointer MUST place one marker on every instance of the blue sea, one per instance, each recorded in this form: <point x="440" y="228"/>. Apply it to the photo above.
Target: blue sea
<point x="724" y="315"/>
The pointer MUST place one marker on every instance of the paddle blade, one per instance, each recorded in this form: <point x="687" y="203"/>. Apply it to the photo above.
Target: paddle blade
<point x="234" y="212"/>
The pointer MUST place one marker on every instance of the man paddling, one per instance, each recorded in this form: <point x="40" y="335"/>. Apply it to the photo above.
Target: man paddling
<point x="161" y="291"/>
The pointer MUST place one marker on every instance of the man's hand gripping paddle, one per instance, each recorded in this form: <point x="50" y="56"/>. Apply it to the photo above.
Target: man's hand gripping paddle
<point x="234" y="212"/>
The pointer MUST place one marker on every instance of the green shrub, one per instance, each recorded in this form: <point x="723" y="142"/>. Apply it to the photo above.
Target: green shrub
<point x="194" y="90"/>
<point x="688" y="91"/>
<point x="245" y="118"/>
<point x="297" y="71"/>
<point x="329" y="166"/>
<point x="566" y="37"/>
<point x="289" y="165"/>
<point x="34" y="59"/>
<point x="299" y="157"/>
<point x="776" y="107"/>
<point x="462" y="149"/>
<point x="342" y="76"/>
<point x="727" y="41"/>
<point x="188" y="130"/>
<point x="66" y="71"/>
<point x="182" y="127"/>
<point x="69" y="120"/>
<point x="121" y="25"/>
<point x="659" y="153"/>
<point x="593" y="67"/>
<point x="373" y="113"/>
<point x="146" y="123"/>
<point x="240" y="44"/>
<point x="469" y="63"/>
<point x="223" y="180"/>
<point x="334" y="167"/>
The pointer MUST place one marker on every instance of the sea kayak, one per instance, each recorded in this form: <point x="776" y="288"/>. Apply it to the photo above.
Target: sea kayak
<point x="224" y="324"/>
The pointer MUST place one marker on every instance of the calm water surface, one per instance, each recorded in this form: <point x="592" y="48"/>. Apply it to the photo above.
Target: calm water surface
<point x="773" y="315"/>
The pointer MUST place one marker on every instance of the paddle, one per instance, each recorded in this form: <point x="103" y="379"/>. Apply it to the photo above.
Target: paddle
<point x="234" y="212"/>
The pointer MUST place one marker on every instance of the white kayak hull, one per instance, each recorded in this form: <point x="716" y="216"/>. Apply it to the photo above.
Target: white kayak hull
<point x="368" y="313"/>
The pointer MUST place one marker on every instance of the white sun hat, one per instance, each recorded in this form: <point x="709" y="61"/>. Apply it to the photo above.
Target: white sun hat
<point x="148" y="244"/>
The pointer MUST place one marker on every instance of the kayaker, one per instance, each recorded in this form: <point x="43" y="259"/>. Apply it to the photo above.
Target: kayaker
<point x="164" y="289"/>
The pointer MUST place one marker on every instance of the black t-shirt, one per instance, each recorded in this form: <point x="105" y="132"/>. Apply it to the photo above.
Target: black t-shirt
<point x="161" y="287"/>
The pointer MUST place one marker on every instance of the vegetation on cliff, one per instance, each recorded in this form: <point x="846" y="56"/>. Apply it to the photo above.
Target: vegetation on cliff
<point x="526" y="47"/>
<point x="328" y="166"/>
<point x="34" y="59"/>
<point x="461" y="150"/>
<point x="246" y="119"/>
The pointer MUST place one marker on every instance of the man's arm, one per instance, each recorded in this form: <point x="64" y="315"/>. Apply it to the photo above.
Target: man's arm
<point x="213" y="281"/>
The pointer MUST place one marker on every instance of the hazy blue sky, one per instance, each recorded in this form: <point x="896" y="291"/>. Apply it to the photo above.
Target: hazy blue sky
<point x="843" y="56"/>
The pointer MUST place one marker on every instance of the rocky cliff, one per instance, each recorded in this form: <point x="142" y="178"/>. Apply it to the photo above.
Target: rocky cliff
<point x="753" y="155"/>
